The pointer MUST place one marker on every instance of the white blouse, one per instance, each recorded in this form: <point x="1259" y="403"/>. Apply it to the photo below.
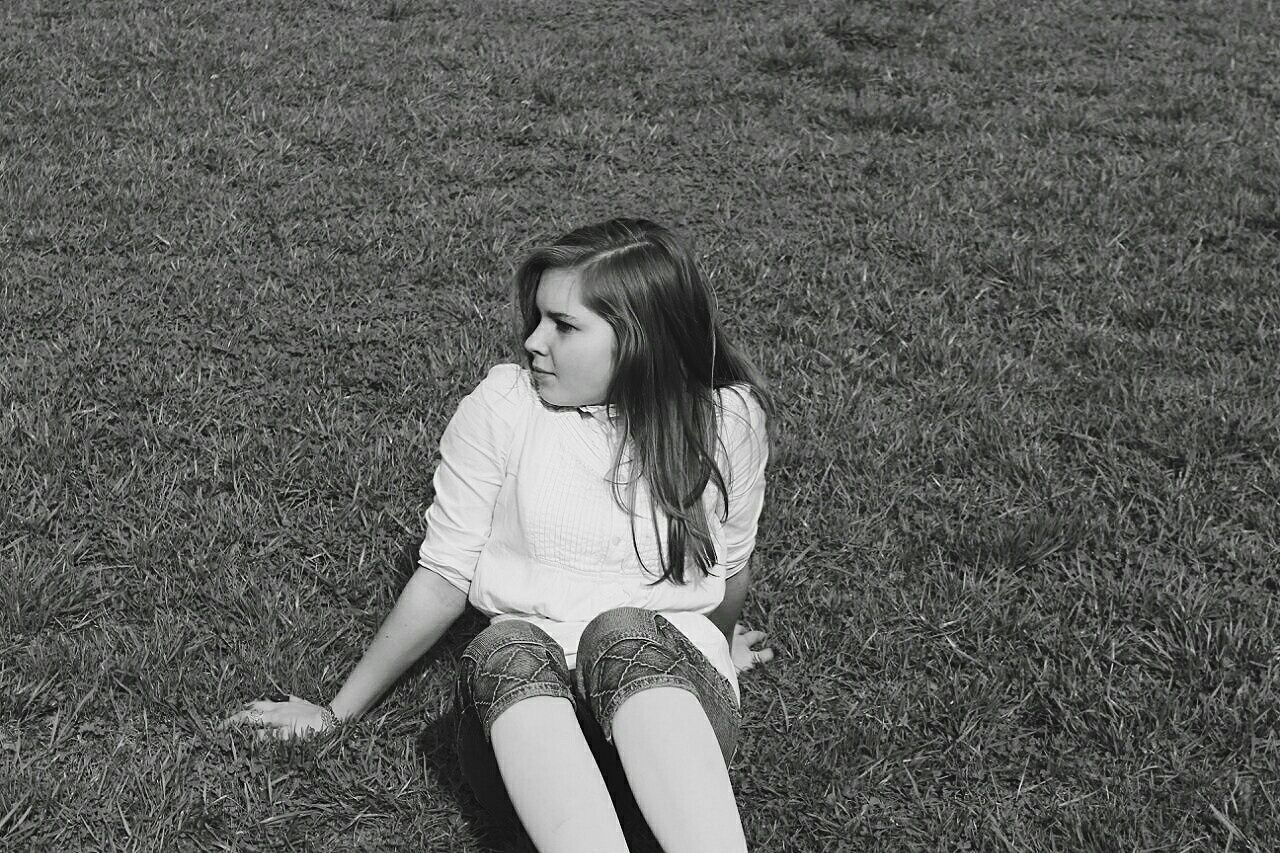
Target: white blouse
<point x="524" y="519"/>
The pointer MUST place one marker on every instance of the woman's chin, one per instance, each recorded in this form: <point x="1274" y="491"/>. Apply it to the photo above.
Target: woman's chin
<point x="543" y="384"/>
<point x="550" y="398"/>
<point x="556" y="400"/>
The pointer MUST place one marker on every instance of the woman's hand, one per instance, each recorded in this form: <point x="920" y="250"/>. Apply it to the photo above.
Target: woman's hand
<point x="282" y="717"/>
<point x="740" y="650"/>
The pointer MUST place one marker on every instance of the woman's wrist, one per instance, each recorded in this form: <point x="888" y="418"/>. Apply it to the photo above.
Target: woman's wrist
<point x="329" y="717"/>
<point x="342" y="712"/>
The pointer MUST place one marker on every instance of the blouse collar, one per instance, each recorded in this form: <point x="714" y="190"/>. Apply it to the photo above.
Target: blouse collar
<point x="600" y="411"/>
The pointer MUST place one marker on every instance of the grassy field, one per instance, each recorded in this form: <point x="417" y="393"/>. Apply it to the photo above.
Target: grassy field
<point x="1011" y="268"/>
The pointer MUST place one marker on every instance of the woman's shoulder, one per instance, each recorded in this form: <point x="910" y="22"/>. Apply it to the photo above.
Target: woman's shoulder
<point x="507" y="381"/>
<point x="739" y="406"/>
<point x="741" y="420"/>
<point x="506" y="390"/>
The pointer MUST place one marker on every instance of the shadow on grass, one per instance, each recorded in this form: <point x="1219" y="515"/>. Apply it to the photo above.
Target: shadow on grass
<point x="437" y="745"/>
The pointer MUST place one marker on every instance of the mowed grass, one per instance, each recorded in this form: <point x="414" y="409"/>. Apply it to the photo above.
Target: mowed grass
<point x="1011" y="268"/>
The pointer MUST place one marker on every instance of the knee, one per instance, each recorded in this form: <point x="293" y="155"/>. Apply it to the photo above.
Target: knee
<point x="607" y="639"/>
<point x="504" y="646"/>
<point x="508" y="661"/>
<point x="500" y="633"/>
<point x="622" y="652"/>
<point x="618" y="622"/>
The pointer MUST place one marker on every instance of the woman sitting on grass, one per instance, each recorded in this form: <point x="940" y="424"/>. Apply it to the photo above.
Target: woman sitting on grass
<point x="601" y="507"/>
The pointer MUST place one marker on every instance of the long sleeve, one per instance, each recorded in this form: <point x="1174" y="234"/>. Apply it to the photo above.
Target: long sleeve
<point x="748" y="451"/>
<point x="473" y="453"/>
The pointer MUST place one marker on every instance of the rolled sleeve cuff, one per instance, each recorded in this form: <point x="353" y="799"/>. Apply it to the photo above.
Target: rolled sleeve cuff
<point x="454" y="579"/>
<point x="731" y="570"/>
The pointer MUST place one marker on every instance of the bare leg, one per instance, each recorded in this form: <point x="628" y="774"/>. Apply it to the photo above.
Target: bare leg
<point x="552" y="778"/>
<point x="677" y="772"/>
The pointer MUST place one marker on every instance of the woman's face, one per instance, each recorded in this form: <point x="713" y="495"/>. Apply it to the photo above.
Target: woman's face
<point x="572" y="349"/>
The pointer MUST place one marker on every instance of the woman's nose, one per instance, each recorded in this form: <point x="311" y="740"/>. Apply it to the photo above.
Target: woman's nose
<point x="533" y="343"/>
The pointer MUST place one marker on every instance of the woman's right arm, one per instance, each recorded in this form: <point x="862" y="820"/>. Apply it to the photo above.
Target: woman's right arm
<point x="467" y="482"/>
<point x="426" y="608"/>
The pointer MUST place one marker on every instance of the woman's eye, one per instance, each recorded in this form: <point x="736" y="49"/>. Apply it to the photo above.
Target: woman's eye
<point x="563" y="326"/>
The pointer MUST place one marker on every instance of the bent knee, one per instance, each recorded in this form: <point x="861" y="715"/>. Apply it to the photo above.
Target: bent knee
<point x="508" y="661"/>
<point x="498" y="633"/>
<point x="623" y="650"/>
<point x="499" y="643"/>
<point x="620" y="621"/>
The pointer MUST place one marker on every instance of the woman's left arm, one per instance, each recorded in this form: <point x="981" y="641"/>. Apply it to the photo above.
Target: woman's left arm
<point x="748" y="454"/>
<point x="726" y="615"/>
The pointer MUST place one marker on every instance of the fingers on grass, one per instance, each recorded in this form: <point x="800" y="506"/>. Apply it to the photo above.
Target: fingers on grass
<point x="253" y="714"/>
<point x="270" y="733"/>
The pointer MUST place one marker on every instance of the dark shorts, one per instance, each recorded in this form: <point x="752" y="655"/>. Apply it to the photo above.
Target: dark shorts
<point x="622" y="651"/>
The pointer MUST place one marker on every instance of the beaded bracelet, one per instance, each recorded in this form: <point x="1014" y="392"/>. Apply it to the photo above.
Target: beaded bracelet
<point x="330" y="718"/>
